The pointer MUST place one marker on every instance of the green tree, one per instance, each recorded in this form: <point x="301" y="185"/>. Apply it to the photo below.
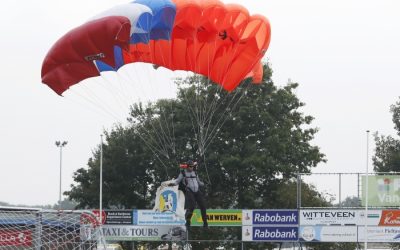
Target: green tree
<point x="250" y="143"/>
<point x="387" y="148"/>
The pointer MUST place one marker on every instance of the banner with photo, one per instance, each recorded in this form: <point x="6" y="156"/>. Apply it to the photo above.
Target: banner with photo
<point x="115" y="217"/>
<point x="383" y="190"/>
<point x="328" y="233"/>
<point x="170" y="199"/>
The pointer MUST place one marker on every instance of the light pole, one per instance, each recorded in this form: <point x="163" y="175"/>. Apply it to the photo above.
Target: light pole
<point x="60" y="145"/>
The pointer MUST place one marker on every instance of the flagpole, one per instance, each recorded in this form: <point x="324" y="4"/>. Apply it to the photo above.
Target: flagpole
<point x="366" y="195"/>
<point x="101" y="179"/>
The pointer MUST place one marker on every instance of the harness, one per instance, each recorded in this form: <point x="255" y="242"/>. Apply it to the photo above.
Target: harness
<point x="183" y="184"/>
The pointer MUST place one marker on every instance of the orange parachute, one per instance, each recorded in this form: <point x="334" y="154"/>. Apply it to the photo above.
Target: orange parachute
<point x="222" y="42"/>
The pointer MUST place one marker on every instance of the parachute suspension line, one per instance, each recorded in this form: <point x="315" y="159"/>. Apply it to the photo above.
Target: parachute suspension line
<point x="206" y="122"/>
<point x="158" y="136"/>
<point x="224" y="117"/>
<point x="228" y="108"/>
<point x="209" y="110"/>
<point x="150" y="136"/>
<point x="171" y="131"/>
<point x="96" y="101"/>
<point x="154" y="150"/>
<point x="94" y="105"/>
<point x="117" y="91"/>
<point x="206" y="168"/>
<point x="165" y="129"/>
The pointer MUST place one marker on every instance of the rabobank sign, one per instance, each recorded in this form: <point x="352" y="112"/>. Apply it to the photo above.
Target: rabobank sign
<point x="275" y="233"/>
<point x="275" y="217"/>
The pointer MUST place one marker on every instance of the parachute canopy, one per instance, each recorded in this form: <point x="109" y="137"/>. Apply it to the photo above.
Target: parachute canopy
<point x="220" y="41"/>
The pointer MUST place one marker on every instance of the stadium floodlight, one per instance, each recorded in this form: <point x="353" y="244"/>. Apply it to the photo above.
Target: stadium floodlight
<point x="60" y="145"/>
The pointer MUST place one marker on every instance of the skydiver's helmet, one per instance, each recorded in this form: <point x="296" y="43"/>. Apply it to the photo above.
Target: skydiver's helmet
<point x="189" y="164"/>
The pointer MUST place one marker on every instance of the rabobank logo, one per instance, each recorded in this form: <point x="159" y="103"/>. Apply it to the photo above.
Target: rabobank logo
<point x="276" y="217"/>
<point x="275" y="233"/>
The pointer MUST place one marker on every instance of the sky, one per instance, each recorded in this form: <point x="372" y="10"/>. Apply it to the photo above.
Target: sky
<point x="345" y="55"/>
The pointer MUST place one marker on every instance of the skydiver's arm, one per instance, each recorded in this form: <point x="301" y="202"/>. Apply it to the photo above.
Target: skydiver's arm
<point x="177" y="180"/>
<point x="199" y="181"/>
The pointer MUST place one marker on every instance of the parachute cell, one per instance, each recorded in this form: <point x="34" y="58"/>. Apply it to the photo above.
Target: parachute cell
<point x="223" y="42"/>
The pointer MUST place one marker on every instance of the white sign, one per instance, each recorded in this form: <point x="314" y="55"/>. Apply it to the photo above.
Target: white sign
<point x="150" y="217"/>
<point x="331" y="217"/>
<point x="170" y="199"/>
<point x="379" y="234"/>
<point x="148" y="233"/>
<point x="328" y="233"/>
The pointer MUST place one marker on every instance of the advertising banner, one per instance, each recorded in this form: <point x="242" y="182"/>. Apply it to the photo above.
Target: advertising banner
<point x="379" y="234"/>
<point x="146" y="233"/>
<point x="15" y="238"/>
<point x="150" y="217"/>
<point x="170" y="199"/>
<point x="390" y="218"/>
<point x="115" y="217"/>
<point x="328" y="233"/>
<point x="270" y="217"/>
<point x="331" y="217"/>
<point x="383" y="190"/>
<point x="386" y="217"/>
<point x="218" y="217"/>
<point x="270" y="233"/>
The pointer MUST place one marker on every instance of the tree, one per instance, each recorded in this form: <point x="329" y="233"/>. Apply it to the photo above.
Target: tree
<point x="387" y="148"/>
<point x="250" y="143"/>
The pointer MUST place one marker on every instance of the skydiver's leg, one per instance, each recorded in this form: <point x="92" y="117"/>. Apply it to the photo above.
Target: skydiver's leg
<point x="202" y="205"/>
<point x="190" y="204"/>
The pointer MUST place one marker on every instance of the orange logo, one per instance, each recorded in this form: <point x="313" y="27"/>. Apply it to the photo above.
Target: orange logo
<point x="390" y="218"/>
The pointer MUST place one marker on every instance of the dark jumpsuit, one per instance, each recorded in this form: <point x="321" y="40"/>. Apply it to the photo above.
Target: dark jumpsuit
<point x="193" y="195"/>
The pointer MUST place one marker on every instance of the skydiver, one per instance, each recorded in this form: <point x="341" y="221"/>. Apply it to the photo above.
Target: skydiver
<point x="191" y="183"/>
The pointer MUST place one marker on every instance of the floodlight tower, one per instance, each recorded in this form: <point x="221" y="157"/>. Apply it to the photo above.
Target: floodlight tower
<point x="60" y="145"/>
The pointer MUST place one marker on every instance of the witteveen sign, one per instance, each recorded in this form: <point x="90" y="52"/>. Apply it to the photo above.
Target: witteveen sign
<point x="331" y="217"/>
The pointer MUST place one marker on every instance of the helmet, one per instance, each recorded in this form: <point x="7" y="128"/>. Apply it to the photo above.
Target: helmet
<point x="189" y="163"/>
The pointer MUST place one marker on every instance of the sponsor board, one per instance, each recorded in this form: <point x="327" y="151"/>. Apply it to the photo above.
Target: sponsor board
<point x="150" y="217"/>
<point x="328" y="233"/>
<point x="115" y="217"/>
<point x="260" y="233"/>
<point x="379" y="234"/>
<point x="390" y="218"/>
<point x="331" y="217"/>
<point x="383" y="190"/>
<point x="218" y="217"/>
<point x="170" y="199"/>
<point x="270" y="217"/>
<point x="14" y="238"/>
<point x="146" y="233"/>
<point x="349" y="217"/>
